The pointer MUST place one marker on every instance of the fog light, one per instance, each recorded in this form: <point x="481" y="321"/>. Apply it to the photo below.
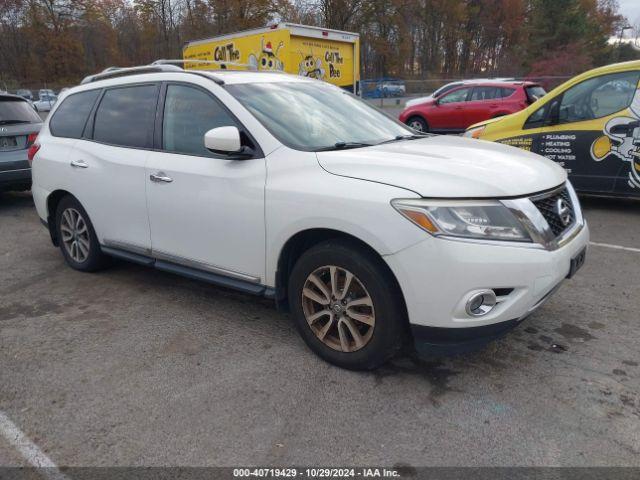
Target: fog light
<point x="481" y="303"/>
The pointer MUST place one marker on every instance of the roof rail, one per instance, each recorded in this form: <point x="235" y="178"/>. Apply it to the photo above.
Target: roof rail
<point x="222" y="65"/>
<point x="163" y="65"/>
<point x="113" y="72"/>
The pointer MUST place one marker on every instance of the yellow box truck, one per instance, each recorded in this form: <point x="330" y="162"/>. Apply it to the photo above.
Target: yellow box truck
<point x="329" y="55"/>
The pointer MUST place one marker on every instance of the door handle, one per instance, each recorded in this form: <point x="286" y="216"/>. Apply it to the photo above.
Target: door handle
<point x="160" y="177"/>
<point x="79" y="164"/>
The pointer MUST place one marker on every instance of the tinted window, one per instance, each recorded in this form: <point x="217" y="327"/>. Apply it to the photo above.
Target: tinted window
<point x="485" y="93"/>
<point x="125" y="116"/>
<point x="188" y="114"/>
<point x="506" y="92"/>
<point x="71" y="116"/>
<point x="598" y="97"/>
<point x="455" y="97"/>
<point x="14" y="110"/>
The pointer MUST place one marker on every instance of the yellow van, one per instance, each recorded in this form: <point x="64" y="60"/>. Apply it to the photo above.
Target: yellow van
<point x="590" y="125"/>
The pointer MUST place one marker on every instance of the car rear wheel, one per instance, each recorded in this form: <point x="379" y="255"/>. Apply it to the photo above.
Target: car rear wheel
<point x="77" y="238"/>
<point x="346" y="306"/>
<point x="418" y="123"/>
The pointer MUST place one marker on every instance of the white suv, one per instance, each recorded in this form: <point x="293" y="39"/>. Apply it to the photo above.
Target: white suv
<point x="293" y="189"/>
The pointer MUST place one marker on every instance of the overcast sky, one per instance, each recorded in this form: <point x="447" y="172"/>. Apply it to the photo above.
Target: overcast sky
<point x="631" y="10"/>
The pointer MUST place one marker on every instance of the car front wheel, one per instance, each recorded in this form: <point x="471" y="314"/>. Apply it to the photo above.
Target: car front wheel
<point x="418" y="123"/>
<point x="345" y="305"/>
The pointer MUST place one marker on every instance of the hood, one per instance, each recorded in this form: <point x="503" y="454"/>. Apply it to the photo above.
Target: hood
<point x="418" y="101"/>
<point x="448" y="167"/>
<point x="484" y="123"/>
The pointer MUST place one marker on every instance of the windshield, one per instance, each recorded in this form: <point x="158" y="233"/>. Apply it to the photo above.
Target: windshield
<point x="445" y="89"/>
<point x="316" y="116"/>
<point x="17" y="111"/>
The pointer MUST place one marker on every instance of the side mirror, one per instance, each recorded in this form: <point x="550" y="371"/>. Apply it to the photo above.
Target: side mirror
<point x="223" y="140"/>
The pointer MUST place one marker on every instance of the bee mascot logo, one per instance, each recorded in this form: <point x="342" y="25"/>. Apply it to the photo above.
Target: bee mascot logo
<point x="311" y="67"/>
<point x="622" y="139"/>
<point x="267" y="59"/>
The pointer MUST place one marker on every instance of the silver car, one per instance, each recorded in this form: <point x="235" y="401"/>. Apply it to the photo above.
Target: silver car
<point x="45" y="102"/>
<point x="19" y="126"/>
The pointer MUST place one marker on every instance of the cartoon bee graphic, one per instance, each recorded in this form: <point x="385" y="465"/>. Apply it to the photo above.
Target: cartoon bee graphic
<point x="622" y="139"/>
<point x="267" y="59"/>
<point x="311" y="67"/>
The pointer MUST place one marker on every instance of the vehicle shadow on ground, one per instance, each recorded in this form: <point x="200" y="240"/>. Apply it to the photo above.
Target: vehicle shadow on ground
<point x="436" y="371"/>
<point x="626" y="205"/>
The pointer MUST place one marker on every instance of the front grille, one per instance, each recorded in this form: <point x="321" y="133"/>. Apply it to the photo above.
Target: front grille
<point x="552" y="205"/>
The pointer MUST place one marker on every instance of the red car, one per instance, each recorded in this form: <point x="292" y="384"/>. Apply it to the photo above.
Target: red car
<point x="460" y="107"/>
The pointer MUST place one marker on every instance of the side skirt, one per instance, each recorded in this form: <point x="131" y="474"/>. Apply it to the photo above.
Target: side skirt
<point x="190" y="272"/>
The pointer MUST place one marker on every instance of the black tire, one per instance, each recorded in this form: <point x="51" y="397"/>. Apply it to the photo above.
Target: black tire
<point x="390" y="314"/>
<point x="95" y="260"/>
<point x="424" y="126"/>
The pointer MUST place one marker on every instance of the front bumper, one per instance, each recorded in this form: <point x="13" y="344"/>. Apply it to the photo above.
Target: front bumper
<point x="438" y="275"/>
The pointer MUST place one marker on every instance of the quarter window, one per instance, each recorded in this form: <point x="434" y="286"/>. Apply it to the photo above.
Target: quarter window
<point x="125" y="116"/>
<point x="507" y="92"/>
<point x="455" y="97"/>
<point x="71" y="117"/>
<point x="188" y="114"/>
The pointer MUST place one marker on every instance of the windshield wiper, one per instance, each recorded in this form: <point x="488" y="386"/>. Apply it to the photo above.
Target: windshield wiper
<point x="11" y="122"/>
<point x="344" y="146"/>
<point x="411" y="136"/>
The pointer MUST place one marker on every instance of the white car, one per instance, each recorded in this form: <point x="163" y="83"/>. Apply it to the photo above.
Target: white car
<point x="265" y="182"/>
<point x="45" y="103"/>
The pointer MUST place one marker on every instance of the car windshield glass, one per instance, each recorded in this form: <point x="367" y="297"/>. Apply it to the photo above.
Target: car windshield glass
<point x="17" y="111"/>
<point x="314" y="116"/>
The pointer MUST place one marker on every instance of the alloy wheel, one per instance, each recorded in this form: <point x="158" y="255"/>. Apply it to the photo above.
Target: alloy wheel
<point x="416" y="125"/>
<point x="338" y="308"/>
<point x="75" y="235"/>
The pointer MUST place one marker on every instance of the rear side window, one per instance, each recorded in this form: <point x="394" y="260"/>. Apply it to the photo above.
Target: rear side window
<point x="506" y="92"/>
<point x="188" y="114"/>
<point x="71" y="116"/>
<point x="125" y="116"/>
<point x="14" y="110"/>
<point x="485" y="93"/>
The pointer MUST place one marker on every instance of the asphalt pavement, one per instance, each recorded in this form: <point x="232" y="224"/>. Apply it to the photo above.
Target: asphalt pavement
<point x="132" y="366"/>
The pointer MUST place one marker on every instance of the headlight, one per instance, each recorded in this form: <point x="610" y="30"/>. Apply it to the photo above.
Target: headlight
<point x="474" y="132"/>
<point x="488" y="220"/>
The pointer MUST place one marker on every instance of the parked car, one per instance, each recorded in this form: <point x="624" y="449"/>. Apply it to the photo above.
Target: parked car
<point x="382" y="88"/>
<point x="25" y="94"/>
<point x="449" y="86"/>
<point x="590" y="125"/>
<point x="19" y="126"/>
<point x="45" y="103"/>
<point x="454" y="111"/>
<point x="46" y="91"/>
<point x="366" y="231"/>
